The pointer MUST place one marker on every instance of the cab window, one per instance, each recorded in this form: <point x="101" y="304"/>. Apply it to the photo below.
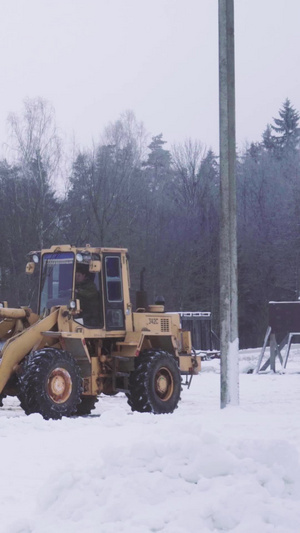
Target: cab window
<point x="113" y="279"/>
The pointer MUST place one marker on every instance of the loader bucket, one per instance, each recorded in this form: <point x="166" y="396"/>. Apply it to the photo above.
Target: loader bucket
<point x="18" y="346"/>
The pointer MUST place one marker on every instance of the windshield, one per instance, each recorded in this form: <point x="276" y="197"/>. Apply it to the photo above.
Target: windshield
<point x="56" y="280"/>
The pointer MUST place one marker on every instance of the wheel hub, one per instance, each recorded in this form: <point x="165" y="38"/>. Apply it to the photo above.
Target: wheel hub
<point x="164" y="384"/>
<point x="59" y="385"/>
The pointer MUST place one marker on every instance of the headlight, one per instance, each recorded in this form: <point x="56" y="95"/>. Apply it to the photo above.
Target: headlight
<point x="79" y="258"/>
<point x="72" y="304"/>
<point x="35" y="258"/>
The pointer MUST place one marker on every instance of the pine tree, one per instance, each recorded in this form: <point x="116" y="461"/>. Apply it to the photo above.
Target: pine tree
<point x="158" y="162"/>
<point x="268" y="139"/>
<point x="287" y="128"/>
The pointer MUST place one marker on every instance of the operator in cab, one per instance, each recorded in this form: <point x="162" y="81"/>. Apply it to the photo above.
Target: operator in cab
<point x="88" y="295"/>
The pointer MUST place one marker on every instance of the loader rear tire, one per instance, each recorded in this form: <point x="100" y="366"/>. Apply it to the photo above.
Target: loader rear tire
<point x="155" y="384"/>
<point x="86" y="405"/>
<point x="50" y="384"/>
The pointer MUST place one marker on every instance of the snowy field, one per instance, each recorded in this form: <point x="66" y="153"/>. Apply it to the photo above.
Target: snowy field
<point x="200" y="469"/>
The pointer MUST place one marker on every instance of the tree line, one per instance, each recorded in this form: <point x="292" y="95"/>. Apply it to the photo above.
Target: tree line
<point x="163" y="205"/>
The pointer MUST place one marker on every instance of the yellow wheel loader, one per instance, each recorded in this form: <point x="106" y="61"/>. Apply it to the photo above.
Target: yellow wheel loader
<point x="86" y="339"/>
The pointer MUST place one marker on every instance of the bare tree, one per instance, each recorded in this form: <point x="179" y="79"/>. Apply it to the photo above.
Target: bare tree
<point x="105" y="181"/>
<point x="34" y="133"/>
<point x="127" y="132"/>
<point x="187" y="158"/>
<point x="36" y="149"/>
<point x="195" y="193"/>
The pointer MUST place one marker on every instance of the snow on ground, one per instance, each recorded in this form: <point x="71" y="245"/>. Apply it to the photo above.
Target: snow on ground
<point x="200" y="469"/>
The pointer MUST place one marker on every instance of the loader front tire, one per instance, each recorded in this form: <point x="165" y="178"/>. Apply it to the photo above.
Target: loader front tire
<point x="50" y="384"/>
<point x="155" y="384"/>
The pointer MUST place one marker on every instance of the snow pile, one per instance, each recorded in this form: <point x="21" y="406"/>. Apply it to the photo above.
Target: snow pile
<point x="199" y="469"/>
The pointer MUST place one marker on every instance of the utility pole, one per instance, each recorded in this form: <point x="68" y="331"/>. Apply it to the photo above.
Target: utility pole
<point x="228" y="232"/>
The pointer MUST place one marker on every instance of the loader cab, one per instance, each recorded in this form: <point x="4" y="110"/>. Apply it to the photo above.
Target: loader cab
<point x="103" y="292"/>
<point x="58" y="287"/>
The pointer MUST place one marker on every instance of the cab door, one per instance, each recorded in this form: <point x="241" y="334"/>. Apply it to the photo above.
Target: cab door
<point x="113" y="292"/>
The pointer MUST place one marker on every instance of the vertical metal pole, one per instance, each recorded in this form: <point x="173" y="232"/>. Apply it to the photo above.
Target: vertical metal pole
<point x="228" y="239"/>
<point x="273" y="346"/>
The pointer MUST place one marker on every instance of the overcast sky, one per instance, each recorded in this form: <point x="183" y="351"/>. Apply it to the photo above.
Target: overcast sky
<point x="94" y="59"/>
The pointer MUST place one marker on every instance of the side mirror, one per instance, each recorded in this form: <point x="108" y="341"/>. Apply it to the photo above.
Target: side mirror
<point x="95" y="266"/>
<point x="30" y="268"/>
